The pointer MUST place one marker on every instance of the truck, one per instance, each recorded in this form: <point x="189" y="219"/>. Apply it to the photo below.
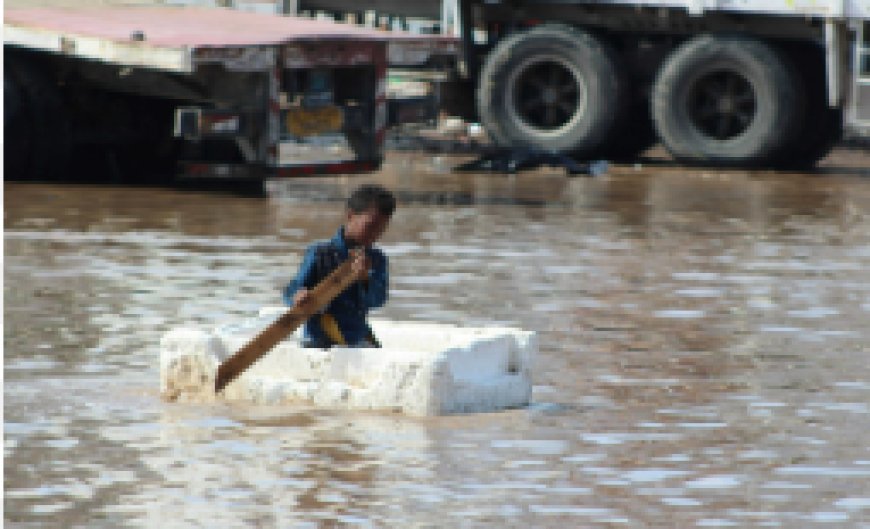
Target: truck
<point x="153" y="92"/>
<point x="751" y="83"/>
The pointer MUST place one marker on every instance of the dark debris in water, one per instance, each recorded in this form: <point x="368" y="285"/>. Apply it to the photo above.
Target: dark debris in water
<point x="553" y="408"/>
<point x="513" y="160"/>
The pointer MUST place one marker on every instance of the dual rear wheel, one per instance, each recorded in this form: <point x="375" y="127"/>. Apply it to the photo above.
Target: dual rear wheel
<point x="554" y="87"/>
<point x="727" y="101"/>
<point x="716" y="99"/>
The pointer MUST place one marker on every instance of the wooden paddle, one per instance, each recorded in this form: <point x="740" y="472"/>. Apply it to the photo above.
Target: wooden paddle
<point x="320" y="296"/>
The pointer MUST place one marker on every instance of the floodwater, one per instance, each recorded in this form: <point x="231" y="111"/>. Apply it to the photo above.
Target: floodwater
<point x="704" y="353"/>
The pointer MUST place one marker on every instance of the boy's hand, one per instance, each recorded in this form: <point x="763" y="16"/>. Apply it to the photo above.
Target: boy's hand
<point x="360" y="265"/>
<point x="302" y="295"/>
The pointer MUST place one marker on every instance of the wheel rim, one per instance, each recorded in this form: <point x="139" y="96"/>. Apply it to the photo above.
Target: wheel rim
<point x="722" y="104"/>
<point x="545" y="95"/>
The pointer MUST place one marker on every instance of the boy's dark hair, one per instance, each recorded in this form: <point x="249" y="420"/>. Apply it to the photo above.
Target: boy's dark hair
<point x="368" y="195"/>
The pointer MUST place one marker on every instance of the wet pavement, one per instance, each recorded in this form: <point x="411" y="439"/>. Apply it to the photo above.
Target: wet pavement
<point x="704" y="352"/>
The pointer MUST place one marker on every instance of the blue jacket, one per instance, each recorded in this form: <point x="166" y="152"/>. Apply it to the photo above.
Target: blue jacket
<point x="350" y="308"/>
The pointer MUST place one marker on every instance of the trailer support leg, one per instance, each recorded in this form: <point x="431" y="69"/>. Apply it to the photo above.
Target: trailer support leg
<point x="833" y="61"/>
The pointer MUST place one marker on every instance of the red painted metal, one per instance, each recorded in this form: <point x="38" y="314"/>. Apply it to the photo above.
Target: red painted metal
<point x="205" y="170"/>
<point x="320" y="53"/>
<point x="380" y="124"/>
<point x="329" y="168"/>
<point x="273" y="123"/>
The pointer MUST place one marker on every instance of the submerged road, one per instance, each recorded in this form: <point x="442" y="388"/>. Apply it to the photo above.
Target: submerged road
<point x="704" y="352"/>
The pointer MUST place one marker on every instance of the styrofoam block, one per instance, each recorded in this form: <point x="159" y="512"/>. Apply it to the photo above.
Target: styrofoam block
<point x="421" y="368"/>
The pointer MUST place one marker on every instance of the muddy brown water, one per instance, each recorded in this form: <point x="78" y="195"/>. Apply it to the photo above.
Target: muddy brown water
<point x="704" y="353"/>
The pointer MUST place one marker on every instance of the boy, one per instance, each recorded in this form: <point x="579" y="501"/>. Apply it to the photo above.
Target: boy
<point x="343" y="322"/>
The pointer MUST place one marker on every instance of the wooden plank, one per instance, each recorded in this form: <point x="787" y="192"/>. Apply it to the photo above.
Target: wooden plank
<point x="333" y="285"/>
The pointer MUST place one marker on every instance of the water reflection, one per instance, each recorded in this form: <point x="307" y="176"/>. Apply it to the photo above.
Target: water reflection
<point x="703" y="354"/>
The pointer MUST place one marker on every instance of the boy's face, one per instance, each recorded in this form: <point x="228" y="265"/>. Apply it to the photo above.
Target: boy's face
<point x="365" y="227"/>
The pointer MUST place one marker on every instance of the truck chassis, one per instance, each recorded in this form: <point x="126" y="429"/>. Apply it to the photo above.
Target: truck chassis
<point x="766" y="83"/>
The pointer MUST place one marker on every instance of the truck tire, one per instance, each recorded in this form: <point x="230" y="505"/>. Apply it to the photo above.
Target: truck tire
<point x="553" y="87"/>
<point x="726" y="100"/>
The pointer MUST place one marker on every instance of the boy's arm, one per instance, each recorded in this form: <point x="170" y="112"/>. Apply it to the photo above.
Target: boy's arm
<point x="375" y="289"/>
<point x="303" y="277"/>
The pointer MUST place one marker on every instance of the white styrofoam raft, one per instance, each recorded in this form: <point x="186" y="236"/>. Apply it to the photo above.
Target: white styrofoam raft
<point x="421" y="368"/>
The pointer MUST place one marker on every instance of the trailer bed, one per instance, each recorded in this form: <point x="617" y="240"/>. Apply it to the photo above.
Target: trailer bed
<point x="170" y="38"/>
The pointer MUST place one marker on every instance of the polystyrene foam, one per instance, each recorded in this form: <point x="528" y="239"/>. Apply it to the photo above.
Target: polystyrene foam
<point x="421" y="368"/>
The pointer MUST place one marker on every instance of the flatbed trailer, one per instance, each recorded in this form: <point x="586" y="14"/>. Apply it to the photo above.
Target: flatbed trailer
<point x="155" y="90"/>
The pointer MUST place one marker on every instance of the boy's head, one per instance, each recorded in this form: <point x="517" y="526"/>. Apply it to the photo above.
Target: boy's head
<point x="369" y="210"/>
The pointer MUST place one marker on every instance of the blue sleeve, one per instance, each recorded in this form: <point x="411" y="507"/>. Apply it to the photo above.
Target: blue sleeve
<point x="375" y="292"/>
<point x="303" y="276"/>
